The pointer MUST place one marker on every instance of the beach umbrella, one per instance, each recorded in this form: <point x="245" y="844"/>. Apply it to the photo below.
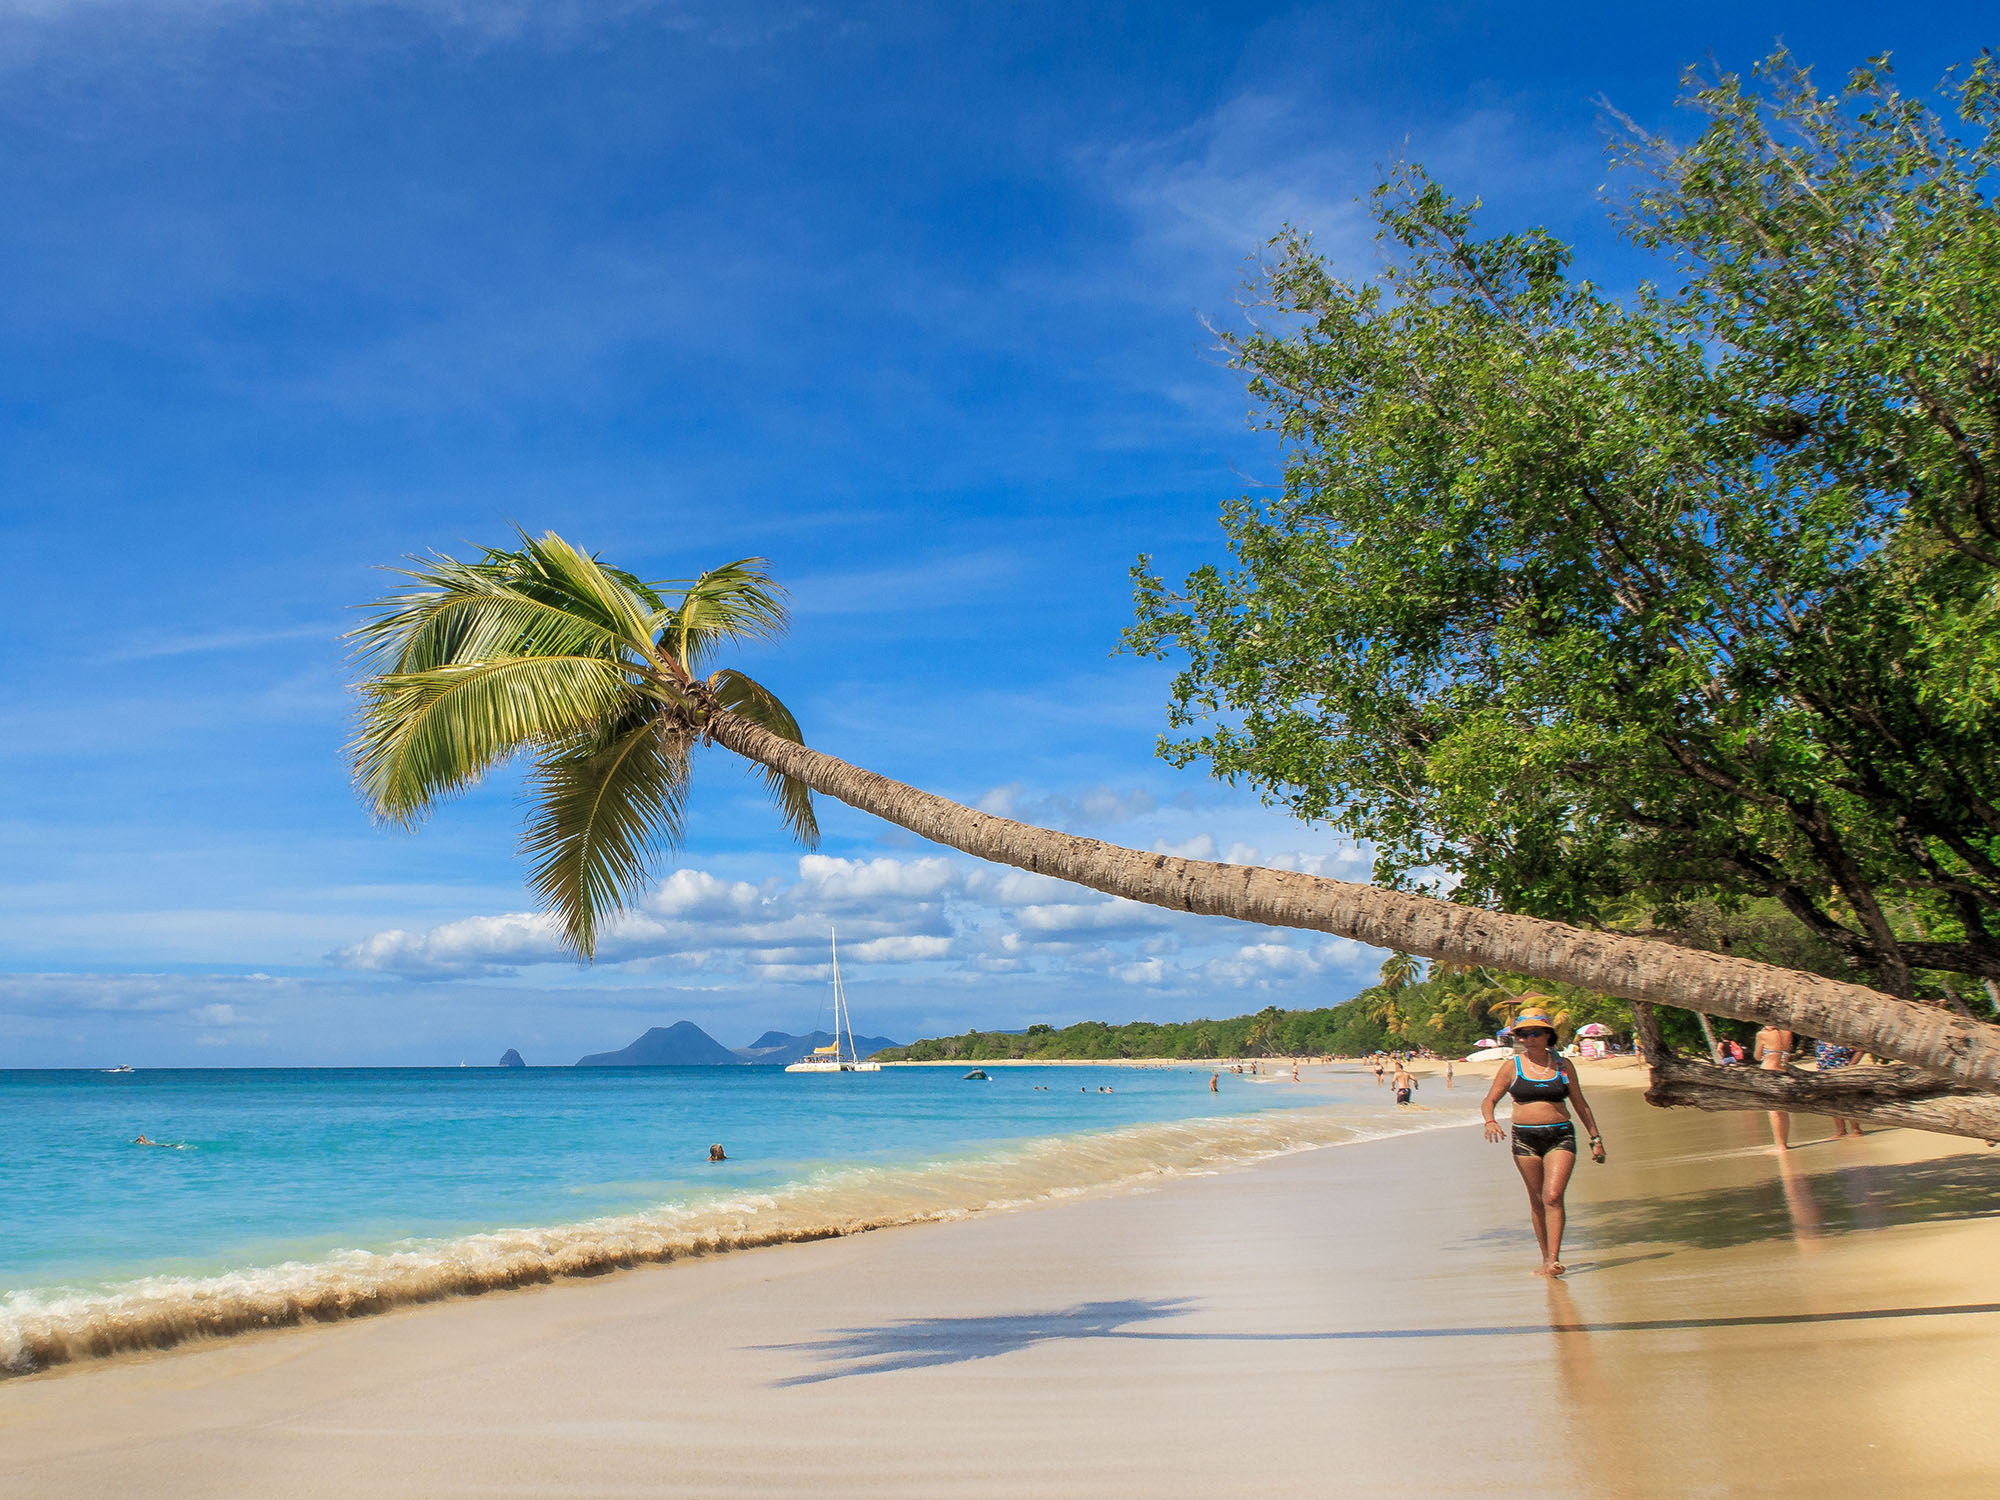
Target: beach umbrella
<point x="1486" y="1041"/>
<point x="1595" y="1028"/>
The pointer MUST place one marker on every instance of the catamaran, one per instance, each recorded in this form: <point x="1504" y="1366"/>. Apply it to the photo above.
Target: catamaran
<point x="839" y="1056"/>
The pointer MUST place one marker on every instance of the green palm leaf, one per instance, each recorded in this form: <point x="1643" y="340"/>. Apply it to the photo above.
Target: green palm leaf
<point x="752" y="700"/>
<point x="735" y="602"/>
<point x="606" y="803"/>
<point x="544" y="649"/>
<point x="426" y="735"/>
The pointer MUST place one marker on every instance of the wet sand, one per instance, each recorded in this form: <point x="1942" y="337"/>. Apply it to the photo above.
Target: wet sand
<point x="1344" y="1319"/>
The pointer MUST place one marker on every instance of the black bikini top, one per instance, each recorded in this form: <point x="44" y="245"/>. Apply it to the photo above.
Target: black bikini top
<point x="1528" y="1090"/>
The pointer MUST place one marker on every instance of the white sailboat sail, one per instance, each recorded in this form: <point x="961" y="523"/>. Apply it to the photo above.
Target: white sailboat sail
<point x="839" y="1056"/>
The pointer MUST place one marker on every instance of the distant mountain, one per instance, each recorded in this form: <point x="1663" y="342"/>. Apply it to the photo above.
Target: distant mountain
<point x="686" y="1045"/>
<point x="777" y="1047"/>
<point x="511" y="1059"/>
<point x="681" y="1045"/>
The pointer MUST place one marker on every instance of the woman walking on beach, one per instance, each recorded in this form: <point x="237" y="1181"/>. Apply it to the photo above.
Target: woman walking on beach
<point x="1542" y="1086"/>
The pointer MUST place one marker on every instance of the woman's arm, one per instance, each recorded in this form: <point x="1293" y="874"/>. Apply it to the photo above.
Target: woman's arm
<point x="1502" y="1076"/>
<point x="1583" y="1112"/>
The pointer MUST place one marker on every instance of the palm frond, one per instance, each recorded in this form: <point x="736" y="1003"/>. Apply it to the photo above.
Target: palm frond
<point x="470" y="611"/>
<point x="551" y="568"/>
<point x="735" y="602"/>
<point x="744" y="696"/>
<point x="425" y="735"/>
<point x="605" y="804"/>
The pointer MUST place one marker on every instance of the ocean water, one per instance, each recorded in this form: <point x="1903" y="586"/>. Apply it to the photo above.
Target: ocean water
<point x="313" y="1194"/>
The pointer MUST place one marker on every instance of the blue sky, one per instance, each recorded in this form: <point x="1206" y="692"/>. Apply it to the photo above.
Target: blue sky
<point x="907" y="299"/>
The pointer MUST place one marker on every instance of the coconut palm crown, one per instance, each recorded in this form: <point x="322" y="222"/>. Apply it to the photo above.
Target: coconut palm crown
<point x="545" y="651"/>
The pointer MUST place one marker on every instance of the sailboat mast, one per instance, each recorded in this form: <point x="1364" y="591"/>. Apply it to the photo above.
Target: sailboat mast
<point x="842" y="1033"/>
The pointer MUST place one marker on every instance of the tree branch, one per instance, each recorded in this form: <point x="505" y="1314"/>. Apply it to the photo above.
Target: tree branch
<point x="1882" y="1094"/>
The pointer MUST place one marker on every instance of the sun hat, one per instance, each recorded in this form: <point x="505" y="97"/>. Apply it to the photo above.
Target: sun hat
<point x="1532" y="1018"/>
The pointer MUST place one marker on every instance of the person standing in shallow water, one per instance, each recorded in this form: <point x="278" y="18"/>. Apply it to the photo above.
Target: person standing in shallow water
<point x="1542" y="1086"/>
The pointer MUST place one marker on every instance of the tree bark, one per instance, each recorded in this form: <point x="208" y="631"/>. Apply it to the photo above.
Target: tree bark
<point x="1609" y="963"/>
<point x="1891" y="1094"/>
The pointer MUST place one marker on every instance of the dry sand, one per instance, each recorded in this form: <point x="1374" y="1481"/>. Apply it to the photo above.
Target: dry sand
<point x="1361" y="1318"/>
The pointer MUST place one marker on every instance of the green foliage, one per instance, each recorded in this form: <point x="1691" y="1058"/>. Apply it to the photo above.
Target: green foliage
<point x="1431" y="1014"/>
<point x="1623" y="613"/>
<point x="593" y="673"/>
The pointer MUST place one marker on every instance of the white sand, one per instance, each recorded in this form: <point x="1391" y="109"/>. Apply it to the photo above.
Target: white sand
<point x="1361" y="1318"/>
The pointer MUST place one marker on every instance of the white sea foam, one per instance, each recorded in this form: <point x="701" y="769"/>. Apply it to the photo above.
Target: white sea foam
<point x="42" y="1329"/>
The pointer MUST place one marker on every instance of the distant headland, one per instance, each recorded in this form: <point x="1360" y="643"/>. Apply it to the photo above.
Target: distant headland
<point x="686" y="1045"/>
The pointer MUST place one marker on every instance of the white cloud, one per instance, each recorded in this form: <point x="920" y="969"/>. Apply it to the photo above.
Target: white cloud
<point x="1201" y="846"/>
<point x="901" y="950"/>
<point x="856" y="881"/>
<point x="474" y="945"/>
<point x="1093" y="807"/>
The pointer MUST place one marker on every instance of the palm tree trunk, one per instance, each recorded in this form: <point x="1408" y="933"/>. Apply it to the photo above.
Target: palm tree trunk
<point x="1708" y="1035"/>
<point x="1964" y="1050"/>
<point x="1890" y="1094"/>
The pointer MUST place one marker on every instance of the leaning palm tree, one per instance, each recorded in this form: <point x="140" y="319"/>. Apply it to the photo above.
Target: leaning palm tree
<point x="608" y="684"/>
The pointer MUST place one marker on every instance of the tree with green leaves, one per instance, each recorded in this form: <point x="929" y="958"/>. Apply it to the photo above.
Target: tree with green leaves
<point x="1624" y="612"/>
<point x="603" y="682"/>
<point x="1399" y="971"/>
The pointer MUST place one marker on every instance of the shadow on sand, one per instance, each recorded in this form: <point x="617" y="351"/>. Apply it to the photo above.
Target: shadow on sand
<point x="917" y="1342"/>
<point x="920" y="1342"/>
<point x="1842" y="1202"/>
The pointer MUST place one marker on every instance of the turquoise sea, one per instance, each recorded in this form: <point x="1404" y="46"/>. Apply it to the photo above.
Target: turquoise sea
<point x="294" y="1195"/>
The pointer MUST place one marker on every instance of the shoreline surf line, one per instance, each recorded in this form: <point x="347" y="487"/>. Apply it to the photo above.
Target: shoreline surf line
<point x="45" y="1329"/>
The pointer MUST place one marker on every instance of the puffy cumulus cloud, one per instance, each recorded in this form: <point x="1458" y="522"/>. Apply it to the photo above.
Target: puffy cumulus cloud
<point x="1093" y="807"/>
<point x="858" y="882"/>
<point x="696" y="893"/>
<point x="1150" y="971"/>
<point x="901" y="950"/>
<point x="1098" y="918"/>
<point x="1279" y="960"/>
<point x="889" y="911"/>
<point x="474" y="945"/>
<point x="942" y="920"/>
<point x="1003" y="888"/>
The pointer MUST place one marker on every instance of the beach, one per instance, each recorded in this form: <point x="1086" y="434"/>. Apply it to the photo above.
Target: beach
<point x="1322" y="1322"/>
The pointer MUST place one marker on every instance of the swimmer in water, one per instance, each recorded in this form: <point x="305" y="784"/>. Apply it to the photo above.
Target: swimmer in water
<point x="1404" y="1084"/>
<point x="1213" y="1080"/>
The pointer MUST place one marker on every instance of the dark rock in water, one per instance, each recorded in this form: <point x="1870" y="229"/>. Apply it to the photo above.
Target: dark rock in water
<point x="681" y="1045"/>
<point x="978" y="1074"/>
<point x="511" y="1059"/>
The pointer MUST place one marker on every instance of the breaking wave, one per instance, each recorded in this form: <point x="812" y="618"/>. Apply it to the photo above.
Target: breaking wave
<point x="41" y="1329"/>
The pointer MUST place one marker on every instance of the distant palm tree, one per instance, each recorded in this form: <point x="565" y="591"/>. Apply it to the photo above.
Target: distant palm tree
<point x="606" y="682"/>
<point x="1399" y="971"/>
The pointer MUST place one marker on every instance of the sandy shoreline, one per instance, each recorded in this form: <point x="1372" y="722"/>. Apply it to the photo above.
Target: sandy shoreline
<point x="1355" y="1316"/>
